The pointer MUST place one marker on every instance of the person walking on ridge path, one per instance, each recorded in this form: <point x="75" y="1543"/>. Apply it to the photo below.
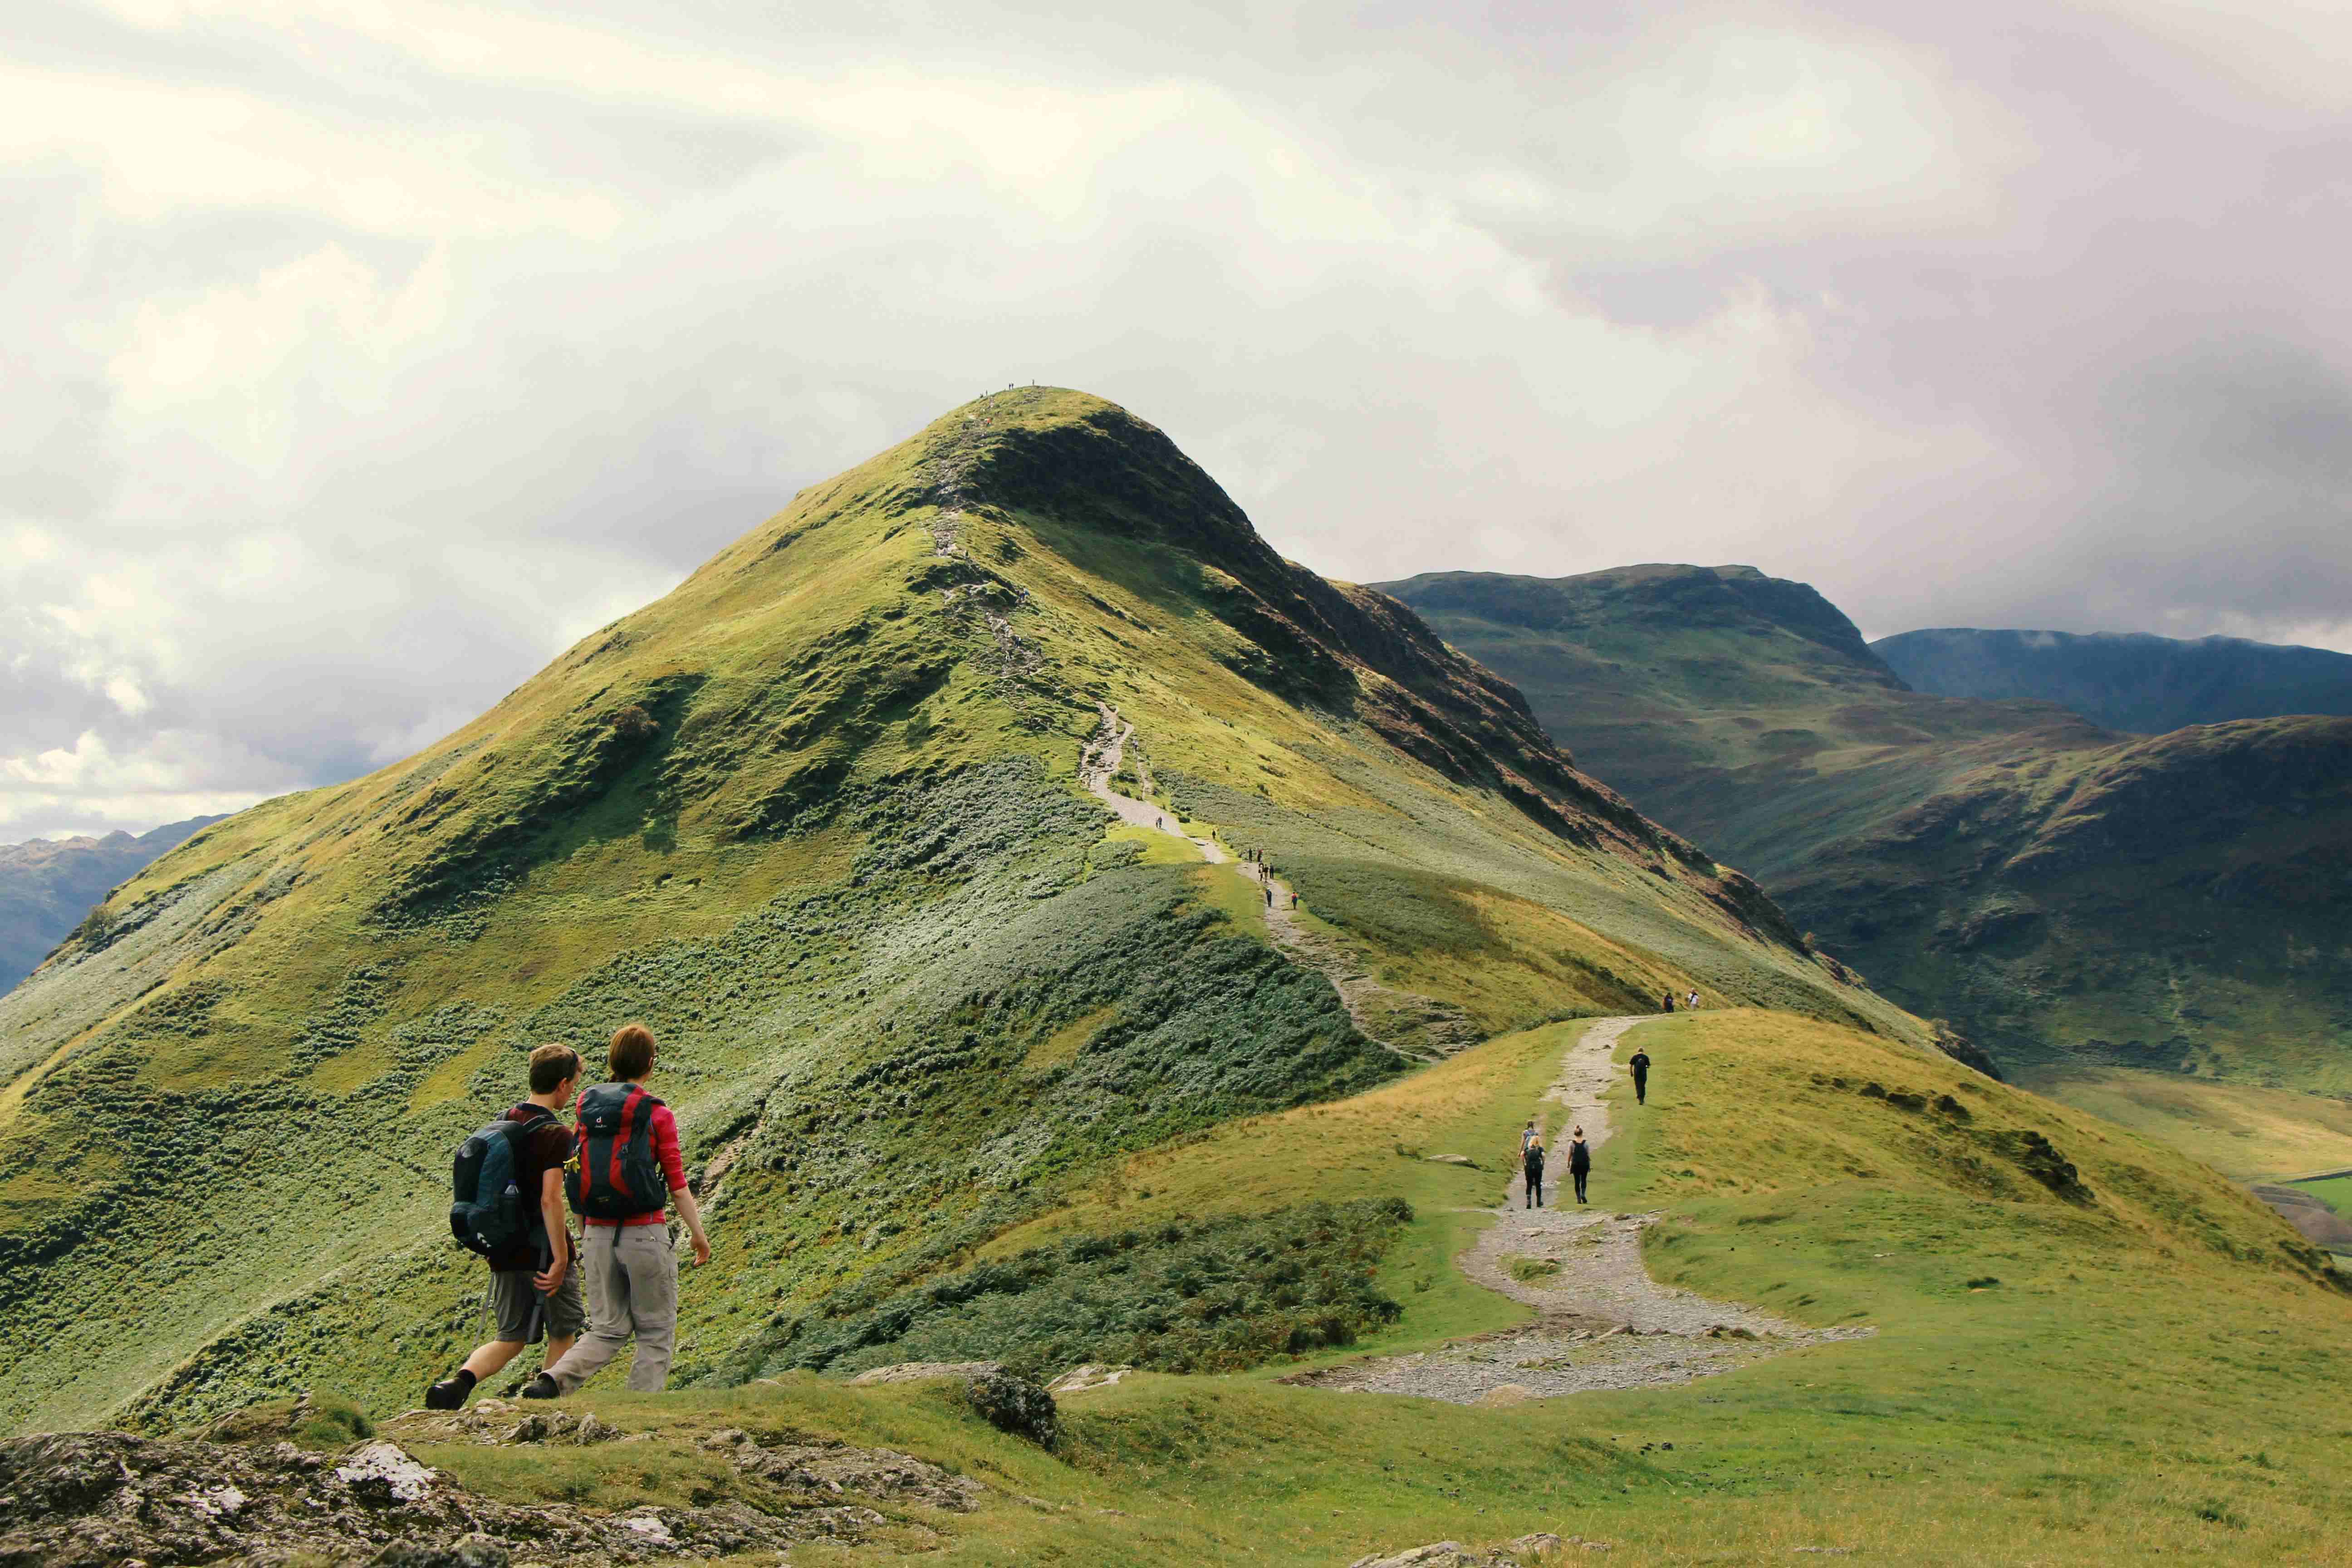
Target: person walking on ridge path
<point x="1528" y="1135"/>
<point x="1531" y="1163"/>
<point x="1579" y="1161"/>
<point x="1641" y="1066"/>
<point x="1669" y="1003"/>
<point x="628" y="1169"/>
<point x="1691" y="1002"/>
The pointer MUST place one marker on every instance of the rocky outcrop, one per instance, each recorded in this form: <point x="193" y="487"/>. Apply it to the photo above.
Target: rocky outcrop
<point x="1543" y="1544"/>
<point x="87" y="1499"/>
<point x="1006" y="1400"/>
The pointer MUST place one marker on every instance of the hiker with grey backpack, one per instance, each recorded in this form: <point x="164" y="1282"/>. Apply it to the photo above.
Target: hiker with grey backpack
<point x="625" y="1168"/>
<point x="508" y="1207"/>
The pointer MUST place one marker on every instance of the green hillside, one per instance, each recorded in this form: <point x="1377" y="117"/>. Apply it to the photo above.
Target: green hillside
<point x="2090" y="907"/>
<point x="2082" y="1349"/>
<point x="814" y="817"/>
<point x="2148" y="685"/>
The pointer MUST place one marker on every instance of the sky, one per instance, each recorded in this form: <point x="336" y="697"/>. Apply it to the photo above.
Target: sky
<point x="356" y="356"/>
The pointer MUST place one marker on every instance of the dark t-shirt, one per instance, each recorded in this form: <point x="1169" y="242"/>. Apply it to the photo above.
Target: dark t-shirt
<point x="1579" y="1157"/>
<point x="1639" y="1064"/>
<point x="544" y="1148"/>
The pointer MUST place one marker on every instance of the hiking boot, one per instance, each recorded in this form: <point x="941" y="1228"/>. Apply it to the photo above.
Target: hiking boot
<point x="449" y="1393"/>
<point x="542" y="1387"/>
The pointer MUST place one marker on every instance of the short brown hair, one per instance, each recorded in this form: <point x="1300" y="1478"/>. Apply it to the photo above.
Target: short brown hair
<point x="549" y="1066"/>
<point x="631" y="1053"/>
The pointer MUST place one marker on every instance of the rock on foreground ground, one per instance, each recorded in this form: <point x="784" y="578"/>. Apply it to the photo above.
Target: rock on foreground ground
<point x="87" y="1499"/>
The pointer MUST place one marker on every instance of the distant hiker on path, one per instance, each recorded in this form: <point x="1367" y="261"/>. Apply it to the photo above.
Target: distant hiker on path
<point x="1528" y="1135"/>
<point x="533" y="1284"/>
<point x="1692" y="1002"/>
<point x="1669" y="1003"/>
<point x="627" y="1146"/>
<point x="1641" y="1066"/>
<point x="1579" y="1161"/>
<point x="1531" y="1163"/>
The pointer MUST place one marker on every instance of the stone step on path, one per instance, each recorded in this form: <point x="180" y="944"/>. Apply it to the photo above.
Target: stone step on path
<point x="1603" y="1322"/>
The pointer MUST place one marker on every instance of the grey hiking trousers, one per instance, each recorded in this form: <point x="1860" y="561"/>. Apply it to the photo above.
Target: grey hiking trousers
<point x="632" y="1289"/>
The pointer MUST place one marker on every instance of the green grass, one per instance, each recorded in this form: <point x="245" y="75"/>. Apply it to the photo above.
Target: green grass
<point x="1213" y="1295"/>
<point x="2335" y="1191"/>
<point x="2247" y="1134"/>
<point x="2143" y="1374"/>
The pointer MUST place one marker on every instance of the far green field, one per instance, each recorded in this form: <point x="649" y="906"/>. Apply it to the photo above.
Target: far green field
<point x="2335" y="1191"/>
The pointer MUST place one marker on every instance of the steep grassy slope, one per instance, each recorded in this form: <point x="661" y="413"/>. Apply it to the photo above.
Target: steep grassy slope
<point x="2132" y="1363"/>
<point x="47" y="886"/>
<point x="812" y="816"/>
<point x="2072" y="899"/>
<point x="2148" y="685"/>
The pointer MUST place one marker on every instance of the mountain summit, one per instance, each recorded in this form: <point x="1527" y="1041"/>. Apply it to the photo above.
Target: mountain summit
<point x="818" y="818"/>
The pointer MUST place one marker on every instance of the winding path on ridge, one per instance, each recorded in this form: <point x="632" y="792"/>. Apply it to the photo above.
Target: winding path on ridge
<point x="1376" y="1009"/>
<point x="1602" y="1321"/>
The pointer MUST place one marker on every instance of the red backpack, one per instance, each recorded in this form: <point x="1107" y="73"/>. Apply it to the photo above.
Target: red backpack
<point x="614" y="1173"/>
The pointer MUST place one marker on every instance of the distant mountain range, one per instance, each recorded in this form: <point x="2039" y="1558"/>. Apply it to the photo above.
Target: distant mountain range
<point x="49" y="884"/>
<point x="2125" y="680"/>
<point x="2067" y="894"/>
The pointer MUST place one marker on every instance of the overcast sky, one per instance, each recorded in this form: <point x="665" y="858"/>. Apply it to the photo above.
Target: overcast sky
<point x="354" y="358"/>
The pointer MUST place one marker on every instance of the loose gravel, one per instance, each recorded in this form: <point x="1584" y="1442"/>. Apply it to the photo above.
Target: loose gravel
<point x="1604" y="1323"/>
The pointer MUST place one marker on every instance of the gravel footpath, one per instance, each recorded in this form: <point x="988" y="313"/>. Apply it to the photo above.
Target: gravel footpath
<point x="1605" y="1323"/>
<point x="1376" y="1009"/>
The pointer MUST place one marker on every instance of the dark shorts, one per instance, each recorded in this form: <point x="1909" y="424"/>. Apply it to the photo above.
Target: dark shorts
<point x="512" y="1297"/>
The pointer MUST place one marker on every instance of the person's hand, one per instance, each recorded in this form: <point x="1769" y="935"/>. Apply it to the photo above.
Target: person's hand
<point x="702" y="1248"/>
<point x="552" y="1279"/>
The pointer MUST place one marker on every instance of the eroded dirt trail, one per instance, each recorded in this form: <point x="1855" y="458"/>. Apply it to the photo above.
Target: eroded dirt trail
<point x="1417" y="1028"/>
<point x="1604" y="1323"/>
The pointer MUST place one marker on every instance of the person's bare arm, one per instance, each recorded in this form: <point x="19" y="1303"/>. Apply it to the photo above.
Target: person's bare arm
<point x="559" y="1239"/>
<point x="691" y="1212"/>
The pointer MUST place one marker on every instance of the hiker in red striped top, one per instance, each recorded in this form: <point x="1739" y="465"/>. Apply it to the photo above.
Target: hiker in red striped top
<point x="626" y="1165"/>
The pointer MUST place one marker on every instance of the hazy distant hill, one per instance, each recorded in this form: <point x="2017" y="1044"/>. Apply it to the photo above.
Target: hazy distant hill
<point x="2066" y="894"/>
<point x="47" y="885"/>
<point x="2125" y="680"/>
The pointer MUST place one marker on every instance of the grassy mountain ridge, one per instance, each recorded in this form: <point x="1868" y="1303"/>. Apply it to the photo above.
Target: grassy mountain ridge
<point x="2131" y="1364"/>
<point x="812" y="815"/>
<point x="48" y="886"/>
<point x="2069" y="896"/>
<point x="2132" y="682"/>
